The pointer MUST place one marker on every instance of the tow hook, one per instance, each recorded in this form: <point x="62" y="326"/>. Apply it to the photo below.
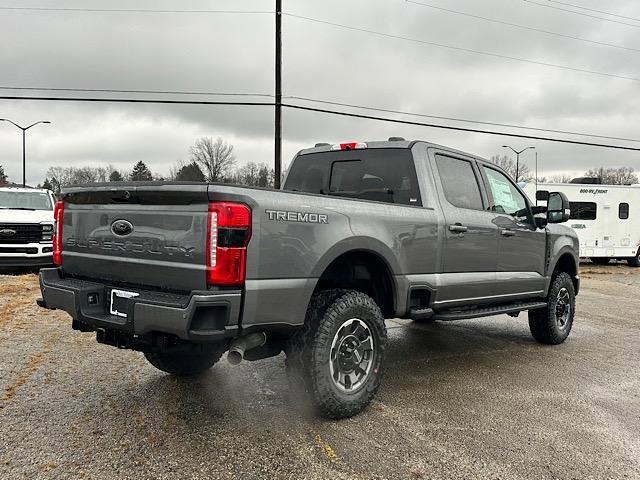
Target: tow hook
<point x="240" y="345"/>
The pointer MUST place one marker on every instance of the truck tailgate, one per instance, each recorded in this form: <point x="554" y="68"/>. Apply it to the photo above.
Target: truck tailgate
<point x="150" y="235"/>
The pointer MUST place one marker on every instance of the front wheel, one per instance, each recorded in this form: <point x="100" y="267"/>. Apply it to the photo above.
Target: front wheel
<point x="634" y="261"/>
<point x="337" y="356"/>
<point x="185" y="363"/>
<point x="551" y="325"/>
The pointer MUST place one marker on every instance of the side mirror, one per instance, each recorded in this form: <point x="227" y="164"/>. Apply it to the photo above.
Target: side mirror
<point x="558" y="208"/>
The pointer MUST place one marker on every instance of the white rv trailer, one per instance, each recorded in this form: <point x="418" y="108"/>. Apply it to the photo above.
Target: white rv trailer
<point x="605" y="217"/>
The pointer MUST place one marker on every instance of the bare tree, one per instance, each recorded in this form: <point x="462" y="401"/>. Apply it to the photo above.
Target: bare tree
<point x="254" y="174"/>
<point x="216" y="158"/>
<point x="614" y="176"/>
<point x="509" y="166"/>
<point x="59" y="177"/>
<point x="561" y="178"/>
<point x="3" y="177"/>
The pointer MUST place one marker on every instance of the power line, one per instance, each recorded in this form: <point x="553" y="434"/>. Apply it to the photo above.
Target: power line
<point x="581" y="13"/>
<point x="460" y="129"/>
<point x="315" y="100"/>
<point x="524" y="27"/>
<point x="320" y="110"/>
<point x="477" y="122"/>
<point x="129" y="10"/>
<point x="594" y="10"/>
<point x="153" y="92"/>
<point x="462" y="49"/>
<point x="135" y="100"/>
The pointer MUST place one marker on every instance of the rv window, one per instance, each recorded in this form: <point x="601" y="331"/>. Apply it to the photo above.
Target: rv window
<point x="542" y="195"/>
<point x="583" y="211"/>
<point x="623" y="211"/>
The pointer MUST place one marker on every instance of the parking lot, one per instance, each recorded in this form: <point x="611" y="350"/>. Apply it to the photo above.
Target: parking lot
<point x="469" y="399"/>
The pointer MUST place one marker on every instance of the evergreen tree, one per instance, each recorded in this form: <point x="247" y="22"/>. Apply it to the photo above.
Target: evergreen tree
<point x="116" y="176"/>
<point x="141" y="173"/>
<point x="47" y="184"/>
<point x="190" y="173"/>
<point x="3" y="176"/>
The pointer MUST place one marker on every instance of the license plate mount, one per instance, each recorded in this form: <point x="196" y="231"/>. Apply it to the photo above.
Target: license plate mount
<point x="119" y="302"/>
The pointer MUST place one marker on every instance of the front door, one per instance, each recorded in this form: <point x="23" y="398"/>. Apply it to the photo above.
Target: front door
<point x="521" y="246"/>
<point x="471" y="238"/>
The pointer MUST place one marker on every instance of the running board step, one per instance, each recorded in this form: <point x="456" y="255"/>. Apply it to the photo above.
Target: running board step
<point x="421" y="313"/>
<point x="488" y="311"/>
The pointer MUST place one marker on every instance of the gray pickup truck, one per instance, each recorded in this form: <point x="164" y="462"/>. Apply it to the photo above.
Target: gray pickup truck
<point x="184" y="272"/>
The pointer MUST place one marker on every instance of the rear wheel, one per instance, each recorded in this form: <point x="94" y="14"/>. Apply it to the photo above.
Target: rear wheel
<point x="552" y="324"/>
<point x="634" y="261"/>
<point x="185" y="363"/>
<point x="600" y="260"/>
<point x="337" y="357"/>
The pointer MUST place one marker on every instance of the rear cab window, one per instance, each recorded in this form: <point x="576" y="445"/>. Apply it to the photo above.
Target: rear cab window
<point x="379" y="174"/>
<point x="459" y="182"/>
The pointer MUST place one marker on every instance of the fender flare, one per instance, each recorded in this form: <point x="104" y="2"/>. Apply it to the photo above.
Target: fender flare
<point x="372" y="246"/>
<point x="553" y="263"/>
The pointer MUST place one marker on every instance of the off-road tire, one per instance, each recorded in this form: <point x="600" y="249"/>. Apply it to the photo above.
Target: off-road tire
<point x="185" y="364"/>
<point x="600" y="260"/>
<point x="309" y="352"/>
<point x="545" y="323"/>
<point x="634" y="261"/>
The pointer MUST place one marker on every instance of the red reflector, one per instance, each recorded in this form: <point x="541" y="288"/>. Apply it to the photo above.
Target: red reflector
<point x="58" y="216"/>
<point x="226" y="265"/>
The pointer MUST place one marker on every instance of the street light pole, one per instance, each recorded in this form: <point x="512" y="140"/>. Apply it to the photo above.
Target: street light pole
<point x="24" y="143"/>
<point x="518" y="157"/>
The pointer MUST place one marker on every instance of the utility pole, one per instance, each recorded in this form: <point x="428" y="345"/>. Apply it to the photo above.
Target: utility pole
<point x="536" y="178"/>
<point x="24" y="155"/>
<point x="277" y="148"/>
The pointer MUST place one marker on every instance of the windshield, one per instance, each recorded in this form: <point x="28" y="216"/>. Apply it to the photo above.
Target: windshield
<point x="25" y="200"/>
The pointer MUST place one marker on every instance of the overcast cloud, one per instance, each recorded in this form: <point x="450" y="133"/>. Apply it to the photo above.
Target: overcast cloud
<point x="234" y="53"/>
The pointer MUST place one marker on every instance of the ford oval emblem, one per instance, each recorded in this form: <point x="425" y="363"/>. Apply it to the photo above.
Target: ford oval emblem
<point x="122" y="227"/>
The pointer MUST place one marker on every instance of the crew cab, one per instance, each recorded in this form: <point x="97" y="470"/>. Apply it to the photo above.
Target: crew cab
<point x="360" y="232"/>
<point x="26" y="227"/>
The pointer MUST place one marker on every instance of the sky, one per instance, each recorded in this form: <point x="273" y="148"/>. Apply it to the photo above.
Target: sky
<point x="233" y="53"/>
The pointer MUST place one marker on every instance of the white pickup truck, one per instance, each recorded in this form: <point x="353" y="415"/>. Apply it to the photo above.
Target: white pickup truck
<point x="26" y="227"/>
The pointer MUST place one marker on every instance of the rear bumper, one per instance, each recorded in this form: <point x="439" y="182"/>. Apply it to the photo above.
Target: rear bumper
<point x="202" y="316"/>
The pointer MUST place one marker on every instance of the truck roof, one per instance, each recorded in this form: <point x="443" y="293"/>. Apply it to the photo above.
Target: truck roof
<point x="23" y="189"/>
<point x="400" y="143"/>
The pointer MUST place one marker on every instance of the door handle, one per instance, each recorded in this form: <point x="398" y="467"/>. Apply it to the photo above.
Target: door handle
<point x="458" y="228"/>
<point x="507" y="233"/>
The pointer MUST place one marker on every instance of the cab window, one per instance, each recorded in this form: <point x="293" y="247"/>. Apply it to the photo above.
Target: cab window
<point x="507" y="199"/>
<point x="380" y="175"/>
<point x="459" y="182"/>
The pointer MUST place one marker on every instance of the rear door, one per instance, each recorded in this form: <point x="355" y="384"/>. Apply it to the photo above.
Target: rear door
<point x="471" y="236"/>
<point x="521" y="246"/>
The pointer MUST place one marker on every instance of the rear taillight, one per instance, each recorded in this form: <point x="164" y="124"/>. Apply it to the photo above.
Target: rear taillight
<point x="228" y="233"/>
<point x="58" y="215"/>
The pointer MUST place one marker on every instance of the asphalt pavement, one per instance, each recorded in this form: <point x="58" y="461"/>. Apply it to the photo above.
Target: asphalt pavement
<point x="469" y="399"/>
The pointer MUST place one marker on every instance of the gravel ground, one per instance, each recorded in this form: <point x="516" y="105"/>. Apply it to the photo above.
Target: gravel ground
<point x="470" y="399"/>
